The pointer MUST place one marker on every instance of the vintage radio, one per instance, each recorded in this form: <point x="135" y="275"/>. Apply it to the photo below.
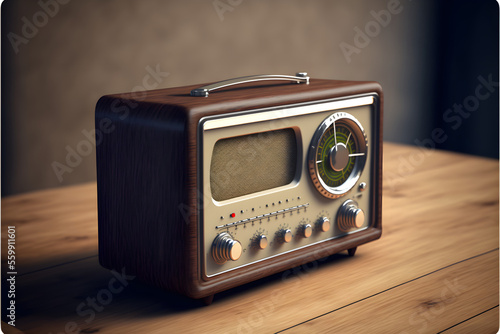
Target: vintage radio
<point x="204" y="189"/>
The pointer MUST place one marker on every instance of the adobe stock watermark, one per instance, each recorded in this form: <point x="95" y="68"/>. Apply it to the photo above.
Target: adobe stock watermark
<point x="454" y="117"/>
<point x="223" y="6"/>
<point x="430" y="310"/>
<point x="372" y="28"/>
<point x="94" y="137"/>
<point x="92" y="305"/>
<point x="30" y="27"/>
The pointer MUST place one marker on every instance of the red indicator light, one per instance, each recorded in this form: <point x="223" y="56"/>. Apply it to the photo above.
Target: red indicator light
<point x="232" y="215"/>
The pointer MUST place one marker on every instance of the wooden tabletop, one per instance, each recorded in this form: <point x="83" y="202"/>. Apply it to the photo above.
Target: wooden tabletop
<point x="435" y="269"/>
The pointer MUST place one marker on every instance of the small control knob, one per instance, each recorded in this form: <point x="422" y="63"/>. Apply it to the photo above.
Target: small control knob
<point x="350" y="216"/>
<point x="306" y="230"/>
<point x="324" y="224"/>
<point x="226" y="248"/>
<point x="285" y="235"/>
<point x="262" y="241"/>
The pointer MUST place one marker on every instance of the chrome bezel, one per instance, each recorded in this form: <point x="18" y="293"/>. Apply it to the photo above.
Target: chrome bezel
<point x="359" y="132"/>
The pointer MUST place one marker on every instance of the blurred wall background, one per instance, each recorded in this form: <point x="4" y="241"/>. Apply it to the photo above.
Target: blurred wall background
<point x="60" y="56"/>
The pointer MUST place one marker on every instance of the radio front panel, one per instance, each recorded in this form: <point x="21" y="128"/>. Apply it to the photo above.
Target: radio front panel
<point x="284" y="178"/>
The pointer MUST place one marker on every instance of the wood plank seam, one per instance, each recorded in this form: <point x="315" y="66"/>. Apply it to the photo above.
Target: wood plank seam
<point x="461" y="322"/>
<point x="57" y="265"/>
<point x="391" y="288"/>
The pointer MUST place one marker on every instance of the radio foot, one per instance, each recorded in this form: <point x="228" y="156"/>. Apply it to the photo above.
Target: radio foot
<point x="208" y="300"/>
<point x="352" y="251"/>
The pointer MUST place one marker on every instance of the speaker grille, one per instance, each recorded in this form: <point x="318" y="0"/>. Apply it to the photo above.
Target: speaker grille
<point x="247" y="164"/>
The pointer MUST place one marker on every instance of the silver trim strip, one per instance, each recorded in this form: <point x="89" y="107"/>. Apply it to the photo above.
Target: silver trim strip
<point x="256" y="116"/>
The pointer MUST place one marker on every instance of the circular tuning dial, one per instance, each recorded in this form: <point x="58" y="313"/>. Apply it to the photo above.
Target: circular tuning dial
<point x="285" y="235"/>
<point x="226" y="248"/>
<point x="324" y="224"/>
<point x="337" y="154"/>
<point x="350" y="216"/>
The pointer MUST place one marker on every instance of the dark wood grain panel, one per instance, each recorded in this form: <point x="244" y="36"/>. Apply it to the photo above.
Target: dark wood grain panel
<point x="141" y="178"/>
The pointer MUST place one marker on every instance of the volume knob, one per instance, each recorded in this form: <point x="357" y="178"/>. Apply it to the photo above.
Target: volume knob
<point x="226" y="248"/>
<point x="350" y="216"/>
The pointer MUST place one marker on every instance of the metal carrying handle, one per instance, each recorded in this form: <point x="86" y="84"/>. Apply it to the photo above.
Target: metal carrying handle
<point x="300" y="77"/>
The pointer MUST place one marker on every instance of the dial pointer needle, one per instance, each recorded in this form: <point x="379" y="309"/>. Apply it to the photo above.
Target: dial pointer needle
<point x="335" y="133"/>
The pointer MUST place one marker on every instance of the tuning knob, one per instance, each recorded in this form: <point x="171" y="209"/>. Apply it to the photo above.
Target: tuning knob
<point x="350" y="216"/>
<point x="324" y="224"/>
<point x="285" y="235"/>
<point x="262" y="241"/>
<point x="226" y="248"/>
<point x="306" y="230"/>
